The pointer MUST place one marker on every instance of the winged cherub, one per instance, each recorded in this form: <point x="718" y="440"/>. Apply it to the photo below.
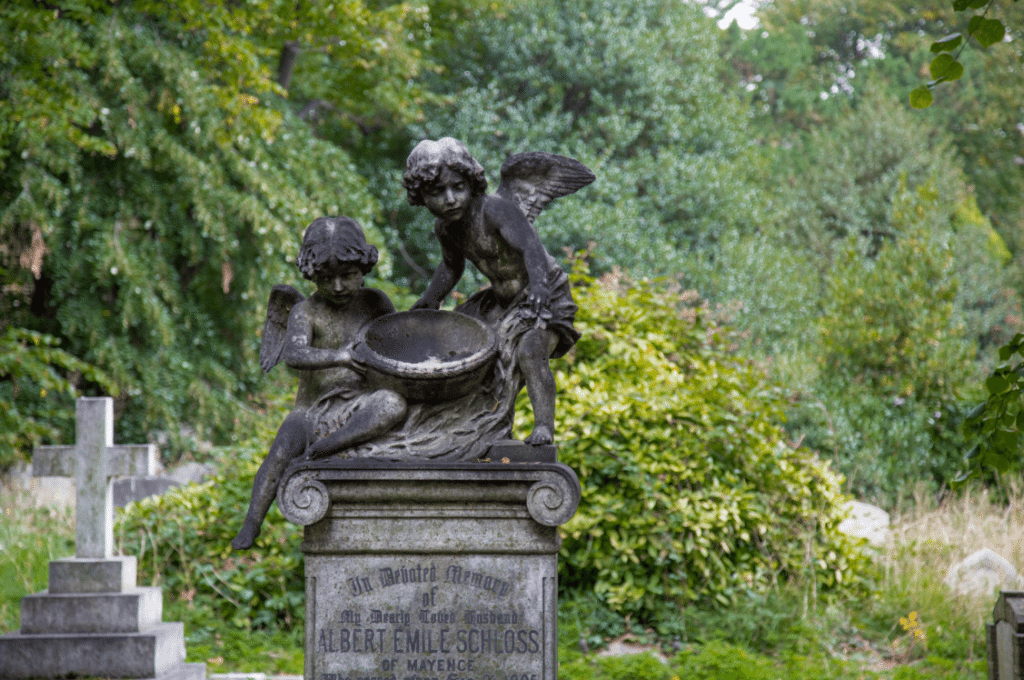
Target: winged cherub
<point x="496" y="233"/>
<point x="334" y="408"/>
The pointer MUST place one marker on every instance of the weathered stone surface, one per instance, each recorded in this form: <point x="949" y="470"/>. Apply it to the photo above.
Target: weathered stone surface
<point x="133" y="489"/>
<point x="93" y="461"/>
<point x="866" y="521"/>
<point x="127" y="612"/>
<point x="445" y="570"/>
<point x="157" y="650"/>
<point x="981" y="573"/>
<point x="78" y="575"/>
<point x="1003" y="637"/>
<point x="184" y="671"/>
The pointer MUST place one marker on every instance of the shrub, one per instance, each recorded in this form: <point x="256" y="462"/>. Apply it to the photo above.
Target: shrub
<point x="182" y="540"/>
<point x="690" y="492"/>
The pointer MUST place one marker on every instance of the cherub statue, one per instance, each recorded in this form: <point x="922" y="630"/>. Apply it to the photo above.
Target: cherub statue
<point x="529" y="296"/>
<point x="334" y="408"/>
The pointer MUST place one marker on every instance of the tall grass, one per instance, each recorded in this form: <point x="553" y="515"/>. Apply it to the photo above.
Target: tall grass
<point x="929" y="537"/>
<point x="30" y="537"/>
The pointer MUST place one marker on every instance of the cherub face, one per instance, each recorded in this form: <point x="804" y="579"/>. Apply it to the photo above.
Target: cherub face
<point x="336" y="282"/>
<point x="448" y="197"/>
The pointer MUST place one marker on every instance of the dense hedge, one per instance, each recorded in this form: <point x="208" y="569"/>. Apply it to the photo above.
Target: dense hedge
<point x="690" y="492"/>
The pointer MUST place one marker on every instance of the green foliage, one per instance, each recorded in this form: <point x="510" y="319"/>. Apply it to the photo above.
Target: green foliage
<point x="152" y="177"/>
<point x="871" y="303"/>
<point x="30" y="537"/>
<point x="630" y="90"/>
<point x="945" y="67"/>
<point x="994" y="426"/>
<point x="182" y="540"/>
<point x="36" y="396"/>
<point x="690" y="492"/>
<point x="889" y="323"/>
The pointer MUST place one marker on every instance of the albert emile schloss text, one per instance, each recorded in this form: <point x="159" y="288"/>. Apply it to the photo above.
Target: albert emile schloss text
<point x="430" y="641"/>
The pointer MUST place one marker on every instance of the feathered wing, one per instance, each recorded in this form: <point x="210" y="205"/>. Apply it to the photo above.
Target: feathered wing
<point x="532" y="180"/>
<point x="279" y="306"/>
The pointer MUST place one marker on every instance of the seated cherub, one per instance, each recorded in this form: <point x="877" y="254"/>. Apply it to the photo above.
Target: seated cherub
<point x="334" y="408"/>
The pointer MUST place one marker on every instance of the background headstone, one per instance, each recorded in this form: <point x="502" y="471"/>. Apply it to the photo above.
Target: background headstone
<point x="866" y="521"/>
<point x="981" y="573"/>
<point x="1003" y="637"/>
<point x="94" y="619"/>
<point x="136" y="488"/>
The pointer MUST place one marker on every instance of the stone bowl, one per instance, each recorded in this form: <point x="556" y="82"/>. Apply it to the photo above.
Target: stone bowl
<point x="426" y="354"/>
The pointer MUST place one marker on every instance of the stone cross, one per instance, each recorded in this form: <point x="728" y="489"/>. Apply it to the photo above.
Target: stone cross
<point x="93" y="461"/>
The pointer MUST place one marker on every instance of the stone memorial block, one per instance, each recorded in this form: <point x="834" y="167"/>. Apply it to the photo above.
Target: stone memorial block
<point x="420" y="570"/>
<point x="1003" y="637"/>
<point x="94" y="619"/>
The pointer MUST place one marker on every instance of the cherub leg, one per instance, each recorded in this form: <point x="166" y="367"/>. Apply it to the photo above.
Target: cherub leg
<point x="534" y="356"/>
<point x="289" y="443"/>
<point x="378" y="412"/>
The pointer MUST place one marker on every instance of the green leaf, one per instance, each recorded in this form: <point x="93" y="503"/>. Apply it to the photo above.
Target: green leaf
<point x="948" y="43"/>
<point x="945" y="67"/>
<point x="989" y="32"/>
<point x="960" y="5"/>
<point x="921" y="97"/>
<point x="1005" y="352"/>
<point x="996" y="384"/>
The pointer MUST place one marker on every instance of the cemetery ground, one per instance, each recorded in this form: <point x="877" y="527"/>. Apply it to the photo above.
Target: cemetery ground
<point x="910" y="627"/>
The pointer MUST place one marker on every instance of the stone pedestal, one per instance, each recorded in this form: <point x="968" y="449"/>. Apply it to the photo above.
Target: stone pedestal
<point x="94" y="620"/>
<point x="1005" y="636"/>
<point x="430" y="570"/>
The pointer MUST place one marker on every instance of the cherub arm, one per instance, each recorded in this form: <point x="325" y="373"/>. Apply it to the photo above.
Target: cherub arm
<point x="447" y="274"/>
<point x="299" y="354"/>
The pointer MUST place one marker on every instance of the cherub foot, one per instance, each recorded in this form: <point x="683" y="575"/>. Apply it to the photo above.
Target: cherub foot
<point x="245" y="538"/>
<point x="541" y="435"/>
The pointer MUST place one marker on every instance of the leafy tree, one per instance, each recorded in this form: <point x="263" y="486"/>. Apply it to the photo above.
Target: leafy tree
<point x="811" y="59"/>
<point x="157" y="182"/>
<point x="35" y="395"/>
<point x="630" y="90"/>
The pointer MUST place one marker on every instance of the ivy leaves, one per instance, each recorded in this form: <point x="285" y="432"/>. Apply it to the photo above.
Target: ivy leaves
<point x="946" y="67"/>
<point x="997" y="423"/>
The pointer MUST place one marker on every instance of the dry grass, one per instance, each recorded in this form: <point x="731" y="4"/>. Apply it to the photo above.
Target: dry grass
<point x="943" y="533"/>
<point x="928" y="538"/>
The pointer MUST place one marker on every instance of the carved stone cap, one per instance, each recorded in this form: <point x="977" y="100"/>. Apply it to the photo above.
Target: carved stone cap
<point x="550" y="491"/>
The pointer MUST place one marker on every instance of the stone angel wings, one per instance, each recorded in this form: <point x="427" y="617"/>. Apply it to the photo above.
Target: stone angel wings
<point x="282" y="298"/>
<point x="534" y="179"/>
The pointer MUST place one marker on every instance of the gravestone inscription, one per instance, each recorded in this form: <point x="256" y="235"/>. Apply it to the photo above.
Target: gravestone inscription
<point x="471" y="617"/>
<point x="430" y="571"/>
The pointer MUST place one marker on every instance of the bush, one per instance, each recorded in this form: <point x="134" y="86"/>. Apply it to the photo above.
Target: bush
<point x="690" y="492"/>
<point x="183" y="542"/>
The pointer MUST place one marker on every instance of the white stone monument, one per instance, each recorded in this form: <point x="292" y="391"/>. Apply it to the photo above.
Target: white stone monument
<point x="94" y="620"/>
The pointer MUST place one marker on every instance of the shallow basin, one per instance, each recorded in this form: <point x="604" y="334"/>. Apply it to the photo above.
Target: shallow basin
<point x="426" y="354"/>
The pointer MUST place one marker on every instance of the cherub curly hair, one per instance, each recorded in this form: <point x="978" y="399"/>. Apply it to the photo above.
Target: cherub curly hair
<point x="426" y="161"/>
<point x="337" y="238"/>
